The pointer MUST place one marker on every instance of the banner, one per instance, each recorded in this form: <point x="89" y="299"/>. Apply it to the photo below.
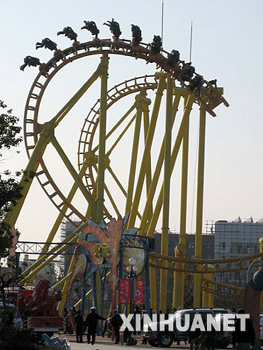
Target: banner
<point x="124" y="294"/>
<point x="138" y="299"/>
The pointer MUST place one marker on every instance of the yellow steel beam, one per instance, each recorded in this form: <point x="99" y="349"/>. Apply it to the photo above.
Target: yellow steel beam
<point x="134" y="154"/>
<point x="74" y="174"/>
<point x="153" y="291"/>
<point x="178" y="300"/>
<point x="59" y="283"/>
<point x="211" y="294"/>
<point x="194" y="261"/>
<point x="208" y="288"/>
<point x="120" y="185"/>
<point x="64" y="291"/>
<point x="114" y="205"/>
<point x="148" y="164"/>
<point x="54" y="251"/>
<point x="39" y="265"/>
<point x="78" y="303"/>
<point x="175" y="151"/>
<point x="147" y="149"/>
<point x="199" y="207"/>
<point x="166" y="189"/>
<point x="120" y="121"/>
<point x="115" y="178"/>
<point x="121" y="135"/>
<point x="70" y="104"/>
<point x="64" y="208"/>
<point x="147" y="208"/>
<point x="31" y="169"/>
<point x="108" y="192"/>
<point x="44" y="139"/>
<point x="102" y="135"/>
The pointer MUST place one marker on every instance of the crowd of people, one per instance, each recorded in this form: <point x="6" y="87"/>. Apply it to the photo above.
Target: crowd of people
<point x="90" y="324"/>
<point x="241" y="340"/>
<point x="111" y="327"/>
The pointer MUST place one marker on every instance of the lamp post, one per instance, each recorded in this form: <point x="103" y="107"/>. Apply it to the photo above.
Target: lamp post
<point x="132" y="276"/>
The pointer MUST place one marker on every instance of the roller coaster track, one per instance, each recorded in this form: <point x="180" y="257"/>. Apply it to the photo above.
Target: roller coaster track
<point x="210" y="98"/>
<point x="193" y="265"/>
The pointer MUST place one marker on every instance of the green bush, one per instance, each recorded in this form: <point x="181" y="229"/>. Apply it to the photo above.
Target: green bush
<point x="12" y="339"/>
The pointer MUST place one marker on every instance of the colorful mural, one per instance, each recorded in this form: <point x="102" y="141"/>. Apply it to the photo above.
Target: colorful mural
<point x="100" y="244"/>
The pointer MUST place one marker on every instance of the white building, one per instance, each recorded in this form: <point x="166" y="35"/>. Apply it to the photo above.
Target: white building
<point x="237" y="238"/>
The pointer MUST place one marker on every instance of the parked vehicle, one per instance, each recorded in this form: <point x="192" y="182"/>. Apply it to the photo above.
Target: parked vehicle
<point x="166" y="338"/>
<point x="17" y="321"/>
<point x="261" y="327"/>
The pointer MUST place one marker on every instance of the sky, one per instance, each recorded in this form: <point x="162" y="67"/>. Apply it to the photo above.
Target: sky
<point x="227" y="45"/>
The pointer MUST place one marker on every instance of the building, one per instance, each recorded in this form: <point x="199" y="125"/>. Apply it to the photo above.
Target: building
<point x="173" y="241"/>
<point x="237" y="238"/>
<point x="48" y="272"/>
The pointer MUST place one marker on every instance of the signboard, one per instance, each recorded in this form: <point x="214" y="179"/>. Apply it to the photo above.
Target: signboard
<point x="125" y="287"/>
<point x="138" y="298"/>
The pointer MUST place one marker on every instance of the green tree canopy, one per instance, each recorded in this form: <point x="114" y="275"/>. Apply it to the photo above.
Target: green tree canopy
<point x="10" y="190"/>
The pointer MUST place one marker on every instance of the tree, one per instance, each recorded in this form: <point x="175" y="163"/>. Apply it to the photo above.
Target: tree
<point x="10" y="190"/>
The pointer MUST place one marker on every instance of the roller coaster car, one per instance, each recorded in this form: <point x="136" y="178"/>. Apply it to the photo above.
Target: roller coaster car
<point x="158" y="58"/>
<point x="211" y="98"/>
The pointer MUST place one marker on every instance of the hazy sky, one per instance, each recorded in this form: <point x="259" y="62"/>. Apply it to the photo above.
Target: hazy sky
<point x="227" y="45"/>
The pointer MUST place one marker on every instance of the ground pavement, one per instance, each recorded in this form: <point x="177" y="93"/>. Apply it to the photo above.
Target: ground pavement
<point x="107" y="344"/>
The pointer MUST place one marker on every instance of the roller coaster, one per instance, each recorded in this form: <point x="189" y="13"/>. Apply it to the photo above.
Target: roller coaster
<point x="146" y="188"/>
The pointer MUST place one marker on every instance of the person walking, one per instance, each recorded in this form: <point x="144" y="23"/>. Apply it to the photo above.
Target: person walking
<point x="243" y="339"/>
<point x="116" y="322"/>
<point x="91" y="323"/>
<point x="79" y="327"/>
<point x="65" y="316"/>
<point x="210" y="336"/>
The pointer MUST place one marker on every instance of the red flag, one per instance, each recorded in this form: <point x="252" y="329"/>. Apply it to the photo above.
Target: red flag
<point x="138" y="299"/>
<point x="125" y="287"/>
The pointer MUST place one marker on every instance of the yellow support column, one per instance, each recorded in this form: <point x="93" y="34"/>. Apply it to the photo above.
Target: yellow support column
<point x="46" y="258"/>
<point x="102" y="135"/>
<point x="148" y="208"/>
<point x="64" y="208"/>
<point x="178" y="300"/>
<point x="208" y="289"/>
<point x="199" y="209"/>
<point x="175" y="152"/>
<point x="147" y="150"/>
<point x="178" y="288"/>
<point x="166" y="190"/>
<point x="64" y="291"/>
<point x="205" y="294"/>
<point x="148" y="164"/>
<point x="134" y="156"/>
<point x="153" y="292"/>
